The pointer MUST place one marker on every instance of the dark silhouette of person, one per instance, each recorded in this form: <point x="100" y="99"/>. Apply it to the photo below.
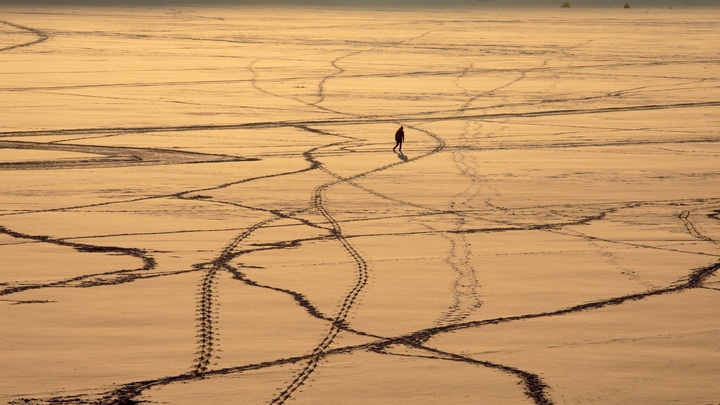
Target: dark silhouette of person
<point x="399" y="138"/>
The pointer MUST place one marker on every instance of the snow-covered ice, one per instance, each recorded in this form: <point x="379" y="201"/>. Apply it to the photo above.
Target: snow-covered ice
<point x="202" y="205"/>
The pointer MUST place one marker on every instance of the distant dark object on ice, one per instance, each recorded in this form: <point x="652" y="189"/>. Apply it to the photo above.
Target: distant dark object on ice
<point x="393" y="4"/>
<point x="627" y="5"/>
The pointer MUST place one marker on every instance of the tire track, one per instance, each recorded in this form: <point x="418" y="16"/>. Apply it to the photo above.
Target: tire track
<point x="361" y="266"/>
<point x="350" y="180"/>
<point x="206" y="303"/>
<point x="319" y="351"/>
<point x="206" y="329"/>
<point x="534" y="386"/>
<point x="339" y="321"/>
<point x="209" y="298"/>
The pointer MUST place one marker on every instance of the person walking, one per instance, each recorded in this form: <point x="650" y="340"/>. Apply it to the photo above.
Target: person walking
<point x="399" y="138"/>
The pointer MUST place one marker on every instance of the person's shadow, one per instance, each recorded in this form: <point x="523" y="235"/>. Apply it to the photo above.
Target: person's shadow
<point x="402" y="156"/>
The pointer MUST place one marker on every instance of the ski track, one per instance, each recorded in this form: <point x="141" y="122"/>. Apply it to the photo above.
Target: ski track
<point x="465" y="288"/>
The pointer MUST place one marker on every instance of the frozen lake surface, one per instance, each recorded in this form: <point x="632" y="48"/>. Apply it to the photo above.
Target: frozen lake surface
<point x="202" y="205"/>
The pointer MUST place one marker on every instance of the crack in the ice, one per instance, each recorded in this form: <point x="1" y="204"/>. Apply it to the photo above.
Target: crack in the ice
<point x="41" y="36"/>
<point x="112" y="156"/>
<point x="85" y="280"/>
